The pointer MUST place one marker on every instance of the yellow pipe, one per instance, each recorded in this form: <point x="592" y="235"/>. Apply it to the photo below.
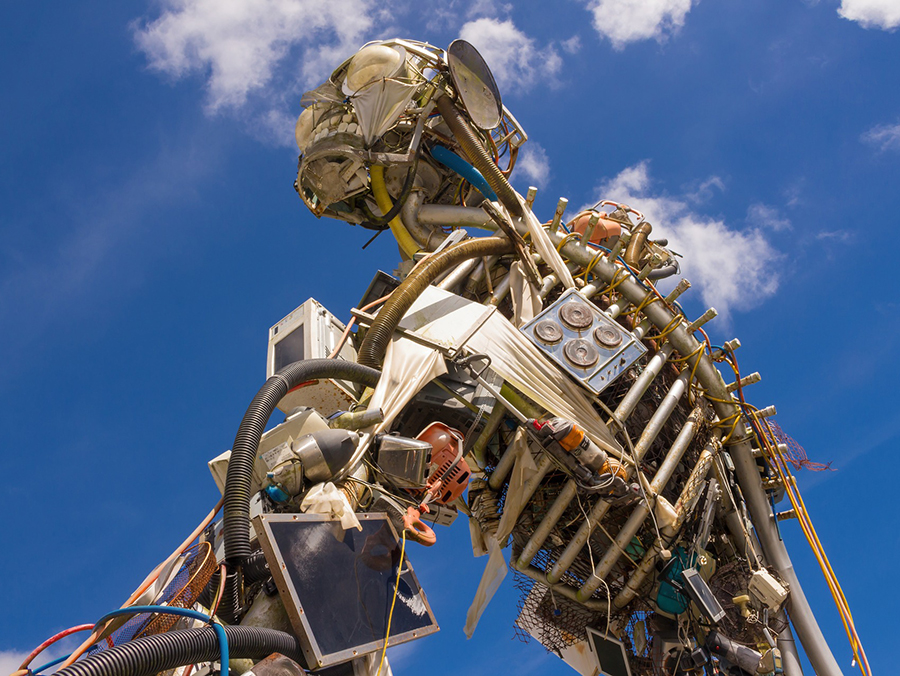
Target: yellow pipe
<point x="379" y="190"/>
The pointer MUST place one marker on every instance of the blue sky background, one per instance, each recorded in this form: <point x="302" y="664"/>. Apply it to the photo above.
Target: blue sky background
<point x="149" y="236"/>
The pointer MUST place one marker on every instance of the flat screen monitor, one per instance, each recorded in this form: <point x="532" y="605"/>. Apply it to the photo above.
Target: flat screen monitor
<point x="338" y="585"/>
<point x="612" y="659"/>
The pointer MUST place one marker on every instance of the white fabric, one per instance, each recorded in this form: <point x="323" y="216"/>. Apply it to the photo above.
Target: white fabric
<point x="408" y="367"/>
<point x="448" y="319"/>
<point x="541" y="241"/>
<point x="494" y="573"/>
<point x="379" y="105"/>
<point x="326" y="499"/>
<point x="526" y="299"/>
<point x="523" y="469"/>
<point x="495" y="569"/>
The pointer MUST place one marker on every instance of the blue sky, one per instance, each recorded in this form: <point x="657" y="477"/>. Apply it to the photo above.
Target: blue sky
<point x="149" y="236"/>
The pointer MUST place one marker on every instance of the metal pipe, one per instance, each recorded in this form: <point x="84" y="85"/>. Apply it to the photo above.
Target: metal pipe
<point x="640" y="513"/>
<point x="460" y="273"/>
<point x="491" y="425"/>
<point x="561" y="589"/>
<point x="455" y="216"/>
<point x="540" y="534"/>
<point x="636" y="245"/>
<point x="707" y="374"/>
<point x="501" y="290"/>
<point x="598" y="511"/>
<point x="640" y="386"/>
<point x="428" y="237"/>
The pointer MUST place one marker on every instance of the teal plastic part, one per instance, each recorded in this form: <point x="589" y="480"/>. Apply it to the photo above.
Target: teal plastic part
<point x="668" y="598"/>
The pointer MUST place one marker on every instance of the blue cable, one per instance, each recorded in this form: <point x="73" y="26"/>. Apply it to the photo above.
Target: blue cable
<point x="454" y="162"/>
<point x="183" y="612"/>
<point x="52" y="663"/>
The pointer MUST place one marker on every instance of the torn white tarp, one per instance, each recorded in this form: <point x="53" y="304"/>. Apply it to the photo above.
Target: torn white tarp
<point x="543" y="245"/>
<point x="526" y="299"/>
<point x="408" y="367"/>
<point x="495" y="569"/>
<point x="441" y="316"/>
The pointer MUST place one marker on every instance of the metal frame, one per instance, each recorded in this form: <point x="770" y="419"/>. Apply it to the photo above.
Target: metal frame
<point x="299" y="622"/>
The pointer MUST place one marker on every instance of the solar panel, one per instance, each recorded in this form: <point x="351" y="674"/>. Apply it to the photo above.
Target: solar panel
<point x="337" y="586"/>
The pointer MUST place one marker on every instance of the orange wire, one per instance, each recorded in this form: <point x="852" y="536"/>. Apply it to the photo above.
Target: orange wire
<point x="350" y="324"/>
<point x="145" y="585"/>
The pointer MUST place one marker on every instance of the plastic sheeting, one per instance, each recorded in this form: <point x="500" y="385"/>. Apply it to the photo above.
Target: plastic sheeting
<point x="542" y="244"/>
<point x="454" y="322"/>
<point x="408" y="367"/>
<point x="378" y="106"/>
<point x="325" y="498"/>
<point x="495" y="569"/>
<point x="526" y="300"/>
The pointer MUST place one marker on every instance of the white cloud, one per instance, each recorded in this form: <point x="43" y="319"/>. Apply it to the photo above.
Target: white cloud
<point x="624" y="21"/>
<point x="884" y="14"/>
<point x="733" y="269"/>
<point x="513" y="57"/>
<point x="10" y="661"/>
<point x="240" y="44"/>
<point x="572" y="45"/>
<point x="763" y="216"/>
<point x="884" y="137"/>
<point x="534" y="164"/>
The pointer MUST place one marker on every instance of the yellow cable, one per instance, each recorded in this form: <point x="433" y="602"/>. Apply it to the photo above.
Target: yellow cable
<point x="394" y="601"/>
<point x="379" y="191"/>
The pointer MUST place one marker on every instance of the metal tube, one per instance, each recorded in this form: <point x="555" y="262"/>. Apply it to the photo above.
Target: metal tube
<point x="562" y="589"/>
<point x="687" y="497"/>
<point x="598" y="511"/>
<point x="640" y="513"/>
<point x="540" y="534"/>
<point x="707" y="374"/>
<point x="491" y="425"/>
<point x="428" y="237"/>
<point x="501" y="289"/>
<point x="461" y="272"/>
<point x="451" y="215"/>
<point x="573" y="549"/>
<point x="642" y="383"/>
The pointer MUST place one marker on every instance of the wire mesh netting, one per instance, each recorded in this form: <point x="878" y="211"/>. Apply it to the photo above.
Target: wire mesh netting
<point x="795" y="454"/>
<point x="197" y="567"/>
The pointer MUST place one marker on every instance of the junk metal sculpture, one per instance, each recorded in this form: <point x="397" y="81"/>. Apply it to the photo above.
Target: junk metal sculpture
<point x="533" y="379"/>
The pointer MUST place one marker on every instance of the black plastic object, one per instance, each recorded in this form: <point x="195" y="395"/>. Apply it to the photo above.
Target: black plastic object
<point x="236" y="509"/>
<point x="338" y="585"/>
<point x="739" y="655"/>
<point x="161" y="652"/>
<point x="474" y="84"/>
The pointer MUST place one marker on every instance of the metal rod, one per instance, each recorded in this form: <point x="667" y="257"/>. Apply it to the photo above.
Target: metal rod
<point x="640" y="513"/>
<point x="598" y="511"/>
<point x="557" y="217"/>
<point x="459" y="274"/>
<point x="529" y="198"/>
<point x="540" y="534"/>
<point x="642" y="383"/>
<point x="561" y="589"/>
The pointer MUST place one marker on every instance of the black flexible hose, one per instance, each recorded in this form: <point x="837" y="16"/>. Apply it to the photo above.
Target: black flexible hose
<point x="667" y="270"/>
<point x="236" y="509"/>
<point x="371" y="352"/>
<point x="159" y="653"/>
<point x="476" y="153"/>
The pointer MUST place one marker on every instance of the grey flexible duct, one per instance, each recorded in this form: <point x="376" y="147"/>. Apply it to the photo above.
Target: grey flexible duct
<point x="159" y="653"/>
<point x="236" y="509"/>
<point x="478" y="156"/>
<point x="371" y="352"/>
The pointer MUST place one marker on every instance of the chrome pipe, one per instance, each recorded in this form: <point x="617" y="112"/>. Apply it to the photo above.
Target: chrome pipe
<point x="598" y="511"/>
<point x="542" y="532"/>
<point x="429" y="238"/>
<point x="640" y="513"/>
<point x="455" y="216"/>
<point x="642" y="383"/>
<point x="561" y="589"/>
<point x="460" y="273"/>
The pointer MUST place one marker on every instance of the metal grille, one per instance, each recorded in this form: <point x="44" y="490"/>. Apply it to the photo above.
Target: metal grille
<point x="198" y="566"/>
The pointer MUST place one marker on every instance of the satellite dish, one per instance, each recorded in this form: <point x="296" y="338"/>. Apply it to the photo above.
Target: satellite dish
<point x="475" y="85"/>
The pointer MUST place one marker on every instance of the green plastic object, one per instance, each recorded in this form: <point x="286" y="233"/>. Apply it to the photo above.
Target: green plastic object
<point x="668" y="598"/>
